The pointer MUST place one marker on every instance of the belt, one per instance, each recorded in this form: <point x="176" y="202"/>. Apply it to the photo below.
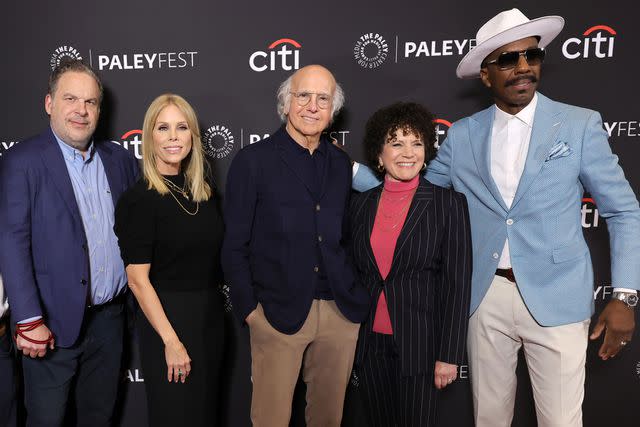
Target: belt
<point x="506" y="273"/>
<point x="120" y="299"/>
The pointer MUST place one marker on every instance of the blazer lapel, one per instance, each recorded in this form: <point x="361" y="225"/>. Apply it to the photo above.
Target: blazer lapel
<point x="480" y="127"/>
<point x="421" y="199"/>
<point x="371" y="211"/>
<point x="546" y="124"/>
<point x="54" y="162"/>
<point x="325" y="169"/>
<point x="292" y="163"/>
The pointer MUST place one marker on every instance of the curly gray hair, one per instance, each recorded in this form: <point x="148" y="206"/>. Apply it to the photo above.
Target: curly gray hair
<point x="284" y="98"/>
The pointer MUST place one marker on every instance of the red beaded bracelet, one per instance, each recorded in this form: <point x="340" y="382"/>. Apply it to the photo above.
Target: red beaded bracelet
<point x="30" y="326"/>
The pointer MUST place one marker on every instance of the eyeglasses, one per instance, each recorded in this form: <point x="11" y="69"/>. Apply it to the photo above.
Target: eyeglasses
<point x="508" y="60"/>
<point x="323" y="100"/>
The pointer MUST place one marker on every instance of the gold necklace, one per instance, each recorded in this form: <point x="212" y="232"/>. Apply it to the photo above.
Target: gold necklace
<point x="183" y="208"/>
<point x="175" y="187"/>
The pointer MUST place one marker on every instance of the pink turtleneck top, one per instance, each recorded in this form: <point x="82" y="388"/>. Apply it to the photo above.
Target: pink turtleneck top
<point x="394" y="204"/>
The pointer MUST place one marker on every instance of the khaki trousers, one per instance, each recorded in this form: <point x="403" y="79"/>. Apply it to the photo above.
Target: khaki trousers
<point x="324" y="347"/>
<point x="555" y="357"/>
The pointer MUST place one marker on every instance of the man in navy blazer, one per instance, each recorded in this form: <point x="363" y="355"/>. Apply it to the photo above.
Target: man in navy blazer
<point x="285" y="260"/>
<point x="524" y="164"/>
<point x="59" y="256"/>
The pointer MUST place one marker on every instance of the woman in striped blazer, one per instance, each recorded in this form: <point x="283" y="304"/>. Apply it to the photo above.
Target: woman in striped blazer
<point x="411" y="247"/>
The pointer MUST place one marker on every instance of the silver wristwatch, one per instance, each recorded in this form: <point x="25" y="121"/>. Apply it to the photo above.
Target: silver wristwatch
<point x="631" y="299"/>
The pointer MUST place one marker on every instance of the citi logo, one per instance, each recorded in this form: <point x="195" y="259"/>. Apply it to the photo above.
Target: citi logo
<point x="132" y="141"/>
<point x="589" y="212"/>
<point x="442" y="127"/>
<point x="597" y="41"/>
<point x="282" y="54"/>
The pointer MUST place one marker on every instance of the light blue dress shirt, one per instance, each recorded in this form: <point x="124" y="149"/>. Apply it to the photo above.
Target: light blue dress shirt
<point x="93" y="196"/>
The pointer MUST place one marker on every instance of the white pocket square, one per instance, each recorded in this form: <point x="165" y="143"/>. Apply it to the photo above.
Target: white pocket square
<point x="561" y="149"/>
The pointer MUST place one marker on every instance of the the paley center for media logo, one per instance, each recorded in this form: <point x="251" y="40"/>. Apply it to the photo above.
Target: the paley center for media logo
<point x="282" y="54"/>
<point x="62" y="52"/>
<point x="218" y="141"/>
<point x="371" y="50"/>
<point x="595" y="42"/>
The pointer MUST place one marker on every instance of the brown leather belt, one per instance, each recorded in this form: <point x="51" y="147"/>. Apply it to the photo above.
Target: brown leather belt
<point x="507" y="273"/>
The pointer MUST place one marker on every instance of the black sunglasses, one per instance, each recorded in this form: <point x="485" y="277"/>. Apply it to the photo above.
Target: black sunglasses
<point x="508" y="60"/>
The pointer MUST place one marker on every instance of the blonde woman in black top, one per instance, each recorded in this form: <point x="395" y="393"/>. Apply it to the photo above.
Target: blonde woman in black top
<point x="170" y="232"/>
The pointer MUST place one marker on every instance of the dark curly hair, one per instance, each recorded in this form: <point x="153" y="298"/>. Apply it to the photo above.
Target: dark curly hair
<point x="410" y="117"/>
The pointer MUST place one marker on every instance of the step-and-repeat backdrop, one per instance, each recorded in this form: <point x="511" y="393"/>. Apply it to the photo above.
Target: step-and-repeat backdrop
<point x="228" y="58"/>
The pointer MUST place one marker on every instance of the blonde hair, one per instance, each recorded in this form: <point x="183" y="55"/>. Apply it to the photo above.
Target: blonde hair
<point x="193" y="166"/>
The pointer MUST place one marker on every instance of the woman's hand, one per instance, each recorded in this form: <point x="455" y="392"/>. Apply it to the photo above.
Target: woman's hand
<point x="178" y="361"/>
<point x="445" y="374"/>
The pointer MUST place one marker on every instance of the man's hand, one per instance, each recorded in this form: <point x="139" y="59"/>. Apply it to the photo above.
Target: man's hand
<point x="41" y="333"/>
<point x="445" y="374"/>
<point x="618" y="319"/>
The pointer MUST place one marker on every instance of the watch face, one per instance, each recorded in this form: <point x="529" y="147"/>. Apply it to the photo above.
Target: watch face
<point x="632" y="300"/>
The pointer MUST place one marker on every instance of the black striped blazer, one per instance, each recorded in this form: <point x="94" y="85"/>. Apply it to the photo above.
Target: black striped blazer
<point x="428" y="286"/>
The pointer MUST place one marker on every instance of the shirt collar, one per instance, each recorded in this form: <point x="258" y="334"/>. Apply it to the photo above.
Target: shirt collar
<point x="71" y="153"/>
<point x="298" y="149"/>
<point x="525" y="115"/>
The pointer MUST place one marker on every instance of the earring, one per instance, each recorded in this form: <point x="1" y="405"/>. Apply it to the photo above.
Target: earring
<point x="380" y="167"/>
<point x="424" y="166"/>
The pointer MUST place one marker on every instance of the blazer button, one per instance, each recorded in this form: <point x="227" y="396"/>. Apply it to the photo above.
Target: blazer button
<point x="316" y="269"/>
<point x="495" y="255"/>
<point x="319" y="238"/>
<point x="318" y="207"/>
<point x="509" y="221"/>
<point x="83" y="281"/>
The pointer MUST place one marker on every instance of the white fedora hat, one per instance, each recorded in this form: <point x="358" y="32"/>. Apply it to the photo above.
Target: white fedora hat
<point x="504" y="28"/>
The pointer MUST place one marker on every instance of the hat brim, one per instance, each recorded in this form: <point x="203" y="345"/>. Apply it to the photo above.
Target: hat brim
<point x="546" y="27"/>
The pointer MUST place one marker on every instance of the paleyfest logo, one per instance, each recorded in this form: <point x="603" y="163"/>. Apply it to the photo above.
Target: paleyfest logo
<point x="371" y="50"/>
<point x="597" y="41"/>
<point x="147" y="61"/>
<point x="61" y="53"/>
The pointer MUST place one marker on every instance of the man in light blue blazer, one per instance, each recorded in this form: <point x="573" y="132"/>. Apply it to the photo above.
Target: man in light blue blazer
<point x="524" y="164"/>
